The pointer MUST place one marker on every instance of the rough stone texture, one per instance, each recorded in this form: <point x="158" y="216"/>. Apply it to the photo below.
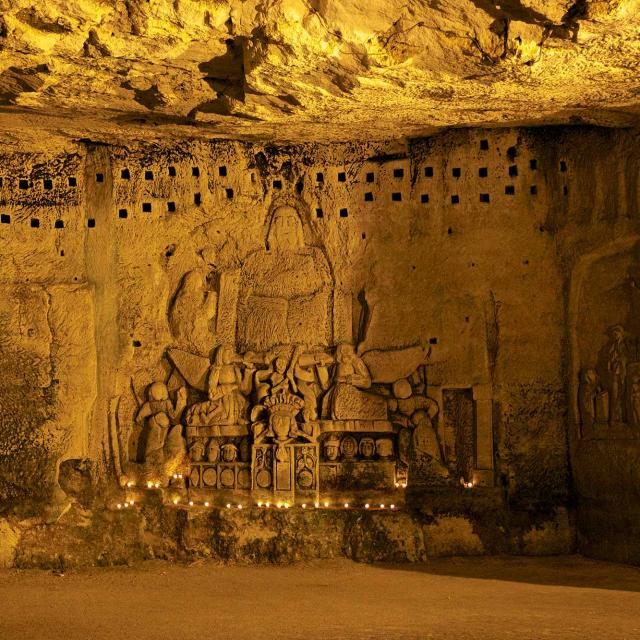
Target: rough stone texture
<point x="298" y="70"/>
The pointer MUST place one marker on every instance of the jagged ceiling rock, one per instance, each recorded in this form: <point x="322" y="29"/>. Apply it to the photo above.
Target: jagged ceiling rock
<point x="312" y="69"/>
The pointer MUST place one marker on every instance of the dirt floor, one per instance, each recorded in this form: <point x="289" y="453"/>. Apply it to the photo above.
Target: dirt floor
<point x="495" y="598"/>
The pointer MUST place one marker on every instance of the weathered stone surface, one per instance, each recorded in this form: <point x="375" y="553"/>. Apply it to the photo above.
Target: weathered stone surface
<point x="291" y="70"/>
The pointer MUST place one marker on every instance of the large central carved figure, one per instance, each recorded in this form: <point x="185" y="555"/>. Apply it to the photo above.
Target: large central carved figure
<point x="285" y="290"/>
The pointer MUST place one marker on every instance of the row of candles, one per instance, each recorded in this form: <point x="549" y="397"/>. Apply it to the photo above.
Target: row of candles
<point x="268" y="505"/>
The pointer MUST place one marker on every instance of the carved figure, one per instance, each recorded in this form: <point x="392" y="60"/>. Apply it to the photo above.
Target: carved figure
<point x="311" y="377"/>
<point x="384" y="447"/>
<point x="196" y="451"/>
<point x="227" y="387"/>
<point x="275" y="379"/>
<point x="367" y="447"/>
<point x="346" y="400"/>
<point x="587" y="393"/>
<point x="332" y="447"/>
<point x="158" y="413"/>
<point x="634" y="393"/>
<point x="229" y="452"/>
<point x="349" y="447"/>
<point x="617" y="358"/>
<point x="416" y="412"/>
<point x="286" y="289"/>
<point x="193" y="311"/>
<point x="213" y="450"/>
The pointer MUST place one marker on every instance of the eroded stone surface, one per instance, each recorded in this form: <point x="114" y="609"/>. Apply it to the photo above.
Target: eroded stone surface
<point x="293" y="70"/>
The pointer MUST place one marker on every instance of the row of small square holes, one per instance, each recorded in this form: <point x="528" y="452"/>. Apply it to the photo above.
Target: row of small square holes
<point x="47" y="183"/>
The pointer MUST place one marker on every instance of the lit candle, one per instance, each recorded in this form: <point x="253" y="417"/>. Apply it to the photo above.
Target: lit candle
<point x="206" y="504"/>
<point x="382" y="506"/>
<point x="326" y="504"/>
<point x="366" y="506"/>
<point x="346" y="505"/>
<point x="191" y="503"/>
<point x="239" y="506"/>
<point x="119" y="506"/>
<point x="228" y="505"/>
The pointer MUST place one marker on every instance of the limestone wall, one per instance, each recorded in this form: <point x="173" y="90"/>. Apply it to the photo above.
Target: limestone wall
<point x="464" y="243"/>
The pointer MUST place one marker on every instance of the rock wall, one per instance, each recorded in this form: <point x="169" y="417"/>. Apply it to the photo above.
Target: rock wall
<point x="465" y="245"/>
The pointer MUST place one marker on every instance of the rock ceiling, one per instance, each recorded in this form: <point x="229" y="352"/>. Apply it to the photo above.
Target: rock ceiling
<point x="316" y="70"/>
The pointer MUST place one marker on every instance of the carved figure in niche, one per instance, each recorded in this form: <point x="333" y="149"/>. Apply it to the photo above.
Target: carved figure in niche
<point x="227" y="386"/>
<point x="311" y="375"/>
<point x="349" y="447"/>
<point x="384" y="447"/>
<point x="277" y="378"/>
<point x="229" y="452"/>
<point x="213" y="450"/>
<point x="587" y="394"/>
<point x="634" y="393"/>
<point x="417" y="412"/>
<point x="158" y="414"/>
<point x="346" y="400"/>
<point x="367" y="447"/>
<point x="332" y="448"/>
<point x="286" y="289"/>
<point x="614" y="361"/>
<point x="193" y="310"/>
<point x="196" y="451"/>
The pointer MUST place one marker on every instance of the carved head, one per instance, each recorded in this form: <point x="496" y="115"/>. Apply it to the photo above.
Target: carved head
<point x="225" y="354"/>
<point x="285" y="232"/>
<point x="349" y="447"/>
<point x="208" y="254"/>
<point x="196" y="451"/>
<point x="617" y="332"/>
<point x="345" y="352"/>
<point x="280" y="365"/>
<point x="384" y="447"/>
<point x="213" y="450"/>
<point x="589" y="377"/>
<point x="158" y="391"/>
<point x="332" y="447"/>
<point x="367" y="447"/>
<point x="402" y="389"/>
<point x="229" y="452"/>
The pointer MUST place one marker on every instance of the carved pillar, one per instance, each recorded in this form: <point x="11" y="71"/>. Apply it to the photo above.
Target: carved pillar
<point x="483" y="399"/>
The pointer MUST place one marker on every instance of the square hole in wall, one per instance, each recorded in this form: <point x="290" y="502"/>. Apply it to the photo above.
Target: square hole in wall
<point x="300" y="186"/>
<point x="172" y="172"/>
<point x="73" y="182"/>
<point x="484" y="197"/>
<point x="456" y="172"/>
<point x="428" y="172"/>
<point x="222" y="171"/>
<point x="565" y="190"/>
<point x="319" y="213"/>
<point x="563" y="166"/>
<point x="424" y="198"/>
<point x="319" y="176"/>
<point x="148" y="175"/>
<point x="197" y="199"/>
<point x="533" y="190"/>
<point x="23" y="184"/>
<point x="229" y="193"/>
<point x="513" y="170"/>
<point x="396" y="196"/>
<point x="455" y="199"/>
<point x="5" y="218"/>
<point x="124" y="174"/>
<point x="123" y="213"/>
<point x="510" y="190"/>
<point x="344" y="213"/>
<point x="342" y="176"/>
<point x="35" y="223"/>
<point x="1" y="182"/>
<point x="368" y="197"/>
<point x="398" y="173"/>
<point x="146" y="207"/>
<point x="171" y="207"/>
<point x="277" y="184"/>
<point x="483" y="172"/>
<point x="58" y="224"/>
<point x="91" y="223"/>
<point x="484" y="145"/>
<point x="195" y="172"/>
<point x="533" y="164"/>
<point x="47" y="184"/>
<point x="370" y="177"/>
<point x="99" y="177"/>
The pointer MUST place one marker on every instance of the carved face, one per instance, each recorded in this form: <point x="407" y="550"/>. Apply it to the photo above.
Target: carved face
<point x="158" y="391"/>
<point x="345" y="353"/>
<point x="229" y="452"/>
<point x="280" y="425"/>
<point x="281" y="365"/>
<point x="349" y="447"/>
<point x="367" y="447"/>
<point x="213" y="451"/>
<point x="285" y="232"/>
<point x="331" y="450"/>
<point x="196" y="452"/>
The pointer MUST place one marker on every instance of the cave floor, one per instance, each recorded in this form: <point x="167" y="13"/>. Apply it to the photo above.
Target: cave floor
<point x="564" y="597"/>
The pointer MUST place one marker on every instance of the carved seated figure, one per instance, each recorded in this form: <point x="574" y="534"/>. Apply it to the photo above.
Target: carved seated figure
<point x="164" y="445"/>
<point x="227" y="387"/>
<point x="347" y="400"/>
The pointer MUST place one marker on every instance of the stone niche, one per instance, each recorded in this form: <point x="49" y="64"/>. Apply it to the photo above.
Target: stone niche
<point x="202" y="326"/>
